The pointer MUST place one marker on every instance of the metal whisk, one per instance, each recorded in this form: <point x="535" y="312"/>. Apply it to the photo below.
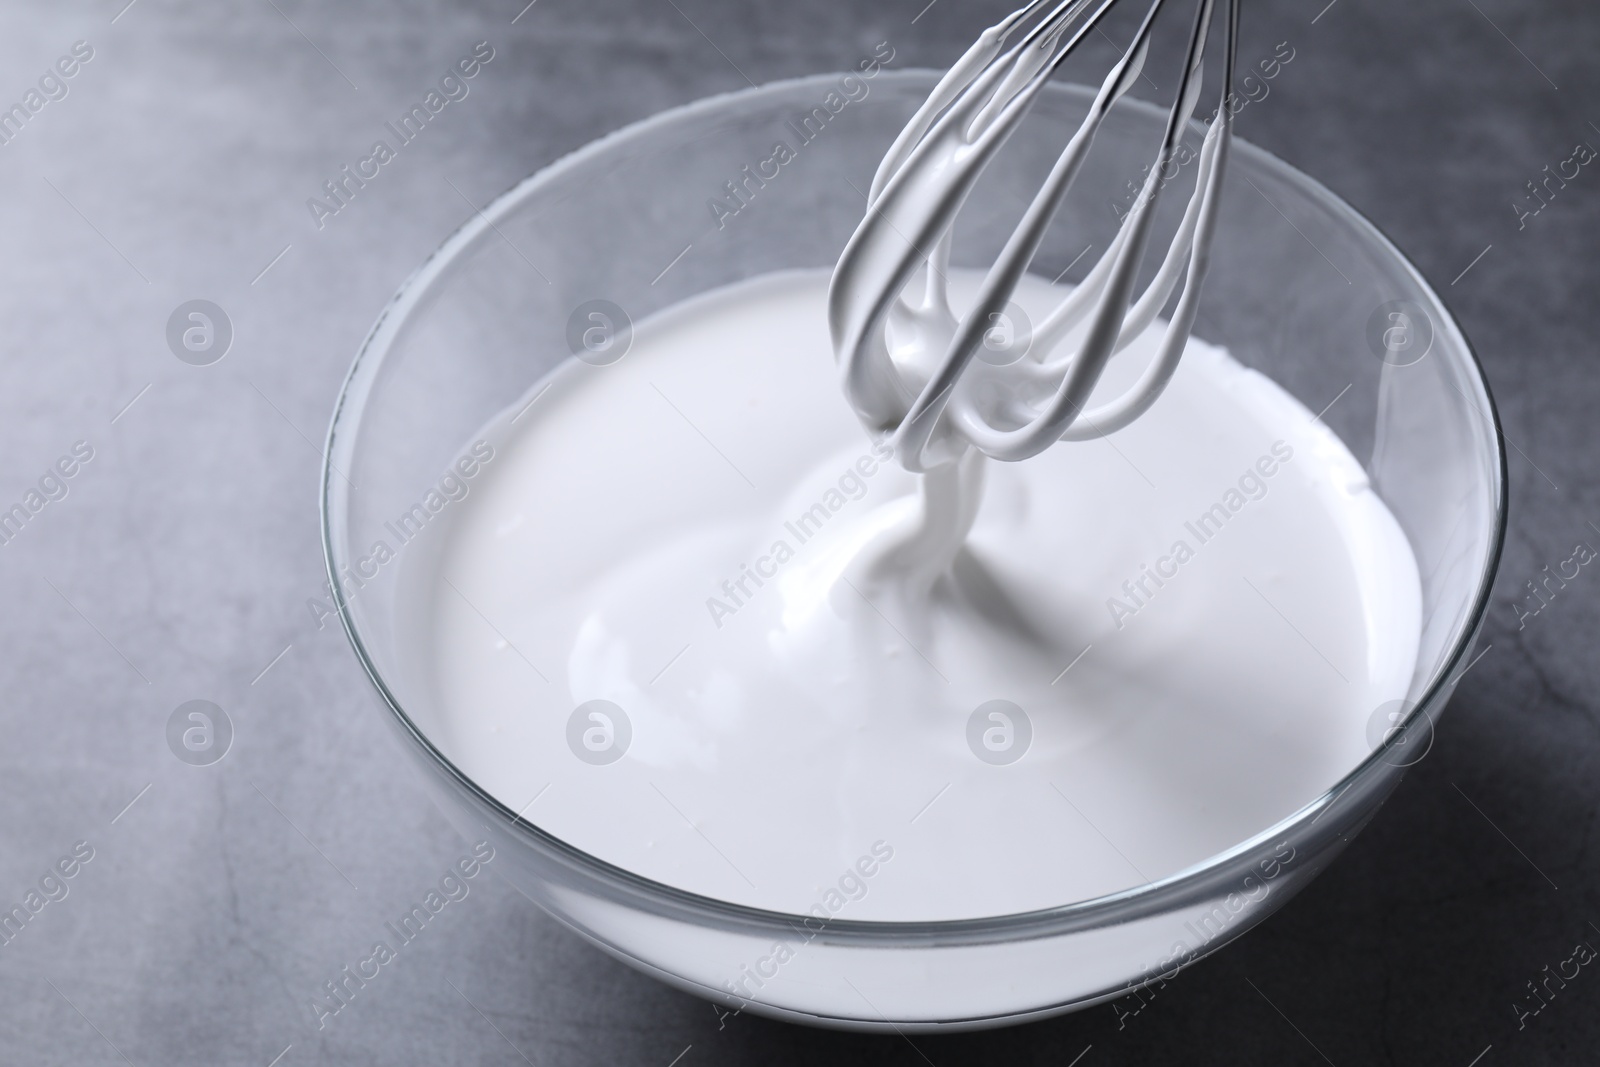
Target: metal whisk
<point x="907" y="362"/>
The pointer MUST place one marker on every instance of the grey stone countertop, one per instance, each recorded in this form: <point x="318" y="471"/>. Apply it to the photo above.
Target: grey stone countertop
<point x="175" y="163"/>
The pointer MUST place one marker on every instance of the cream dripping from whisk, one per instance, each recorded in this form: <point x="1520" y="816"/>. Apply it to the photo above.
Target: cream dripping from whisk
<point x="908" y="363"/>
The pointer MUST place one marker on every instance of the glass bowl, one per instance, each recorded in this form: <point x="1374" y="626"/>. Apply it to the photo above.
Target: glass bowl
<point x="1301" y="287"/>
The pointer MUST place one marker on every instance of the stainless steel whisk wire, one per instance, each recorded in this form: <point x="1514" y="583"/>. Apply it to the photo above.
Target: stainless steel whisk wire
<point x="938" y="411"/>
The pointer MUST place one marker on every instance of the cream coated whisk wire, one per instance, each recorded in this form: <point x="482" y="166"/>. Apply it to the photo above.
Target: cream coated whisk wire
<point x="931" y="405"/>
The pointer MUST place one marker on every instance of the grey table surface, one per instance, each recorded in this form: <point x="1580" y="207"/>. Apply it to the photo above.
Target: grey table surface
<point x="179" y="563"/>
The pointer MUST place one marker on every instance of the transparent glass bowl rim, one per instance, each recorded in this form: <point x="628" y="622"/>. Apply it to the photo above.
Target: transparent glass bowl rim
<point x="1176" y="890"/>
